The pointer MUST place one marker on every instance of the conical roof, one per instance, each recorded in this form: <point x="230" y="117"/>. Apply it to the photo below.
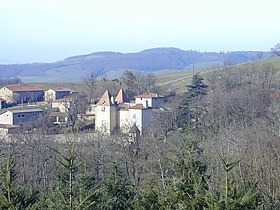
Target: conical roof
<point x="105" y="100"/>
<point x="121" y="97"/>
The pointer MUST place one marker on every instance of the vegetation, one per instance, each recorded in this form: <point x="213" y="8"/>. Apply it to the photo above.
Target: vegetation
<point x="220" y="150"/>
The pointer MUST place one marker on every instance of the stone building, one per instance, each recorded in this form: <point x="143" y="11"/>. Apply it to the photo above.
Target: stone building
<point x="120" y="115"/>
<point x="20" y="116"/>
<point x="21" y="94"/>
<point x="53" y="94"/>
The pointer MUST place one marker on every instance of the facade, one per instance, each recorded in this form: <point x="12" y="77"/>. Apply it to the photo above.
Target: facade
<point x="20" y="117"/>
<point x="53" y="94"/>
<point x="63" y="104"/>
<point x="6" y="130"/>
<point x="149" y="99"/>
<point x="106" y="114"/>
<point x="59" y="118"/>
<point x="21" y="94"/>
<point x="120" y="115"/>
<point x="2" y="103"/>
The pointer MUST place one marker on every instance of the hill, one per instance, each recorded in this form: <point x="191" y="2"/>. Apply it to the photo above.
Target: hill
<point x="156" y="60"/>
<point x="177" y="80"/>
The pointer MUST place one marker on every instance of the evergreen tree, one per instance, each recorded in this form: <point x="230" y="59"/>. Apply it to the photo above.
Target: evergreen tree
<point x="150" y="196"/>
<point x="13" y="197"/>
<point x="130" y="82"/>
<point x="195" y="91"/>
<point x="187" y="189"/>
<point x="233" y="194"/>
<point x="72" y="191"/>
<point x="116" y="192"/>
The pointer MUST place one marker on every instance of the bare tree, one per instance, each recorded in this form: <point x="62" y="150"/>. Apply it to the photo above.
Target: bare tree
<point x="276" y="50"/>
<point x="89" y="84"/>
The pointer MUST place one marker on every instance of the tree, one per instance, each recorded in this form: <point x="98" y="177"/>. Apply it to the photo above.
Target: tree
<point x="233" y="194"/>
<point x="187" y="189"/>
<point x="89" y="84"/>
<point x="130" y="83"/>
<point x="11" y="195"/>
<point x="195" y="91"/>
<point x="276" y="50"/>
<point x="116" y="192"/>
<point x="71" y="192"/>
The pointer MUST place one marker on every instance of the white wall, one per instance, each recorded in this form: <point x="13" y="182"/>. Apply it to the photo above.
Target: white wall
<point x="144" y="101"/>
<point x="135" y="117"/>
<point x="62" y="106"/>
<point x="152" y="102"/>
<point x="50" y="95"/>
<point x="106" y="121"/>
<point x="6" y="94"/>
<point x="123" y="120"/>
<point x="6" y="118"/>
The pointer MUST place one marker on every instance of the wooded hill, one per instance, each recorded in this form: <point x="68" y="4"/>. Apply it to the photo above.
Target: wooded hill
<point x="157" y="60"/>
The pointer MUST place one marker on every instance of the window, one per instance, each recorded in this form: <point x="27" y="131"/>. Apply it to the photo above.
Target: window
<point x="134" y="116"/>
<point x="103" y="122"/>
<point x="103" y="109"/>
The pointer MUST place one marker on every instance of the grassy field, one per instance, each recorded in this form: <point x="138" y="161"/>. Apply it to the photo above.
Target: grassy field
<point x="175" y="81"/>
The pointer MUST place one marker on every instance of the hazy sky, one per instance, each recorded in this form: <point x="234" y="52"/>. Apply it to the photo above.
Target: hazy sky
<point x="51" y="30"/>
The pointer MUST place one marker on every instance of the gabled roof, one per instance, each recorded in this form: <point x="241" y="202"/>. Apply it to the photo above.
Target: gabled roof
<point x="121" y="97"/>
<point x="148" y="95"/>
<point x="24" y="110"/>
<point x="7" y="126"/>
<point x="105" y="100"/>
<point x="137" y="106"/>
<point x="64" y="100"/>
<point x="23" y="88"/>
<point x="57" y="89"/>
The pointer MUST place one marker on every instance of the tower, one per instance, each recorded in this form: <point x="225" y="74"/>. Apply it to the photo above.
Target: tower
<point x="106" y="114"/>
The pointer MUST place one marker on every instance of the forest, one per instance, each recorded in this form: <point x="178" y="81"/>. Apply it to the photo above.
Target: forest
<point x="221" y="152"/>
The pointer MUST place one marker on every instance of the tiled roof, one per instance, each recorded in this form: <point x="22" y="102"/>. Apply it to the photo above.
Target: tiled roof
<point x="121" y="97"/>
<point x="105" y="99"/>
<point x="137" y="106"/>
<point x="148" y="95"/>
<point x="65" y="100"/>
<point x="22" y="88"/>
<point x="60" y="89"/>
<point x="25" y="110"/>
<point x="8" y="126"/>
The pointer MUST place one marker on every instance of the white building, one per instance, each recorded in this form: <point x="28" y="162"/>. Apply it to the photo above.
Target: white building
<point x="20" y="117"/>
<point x="149" y="99"/>
<point x="53" y="94"/>
<point x="120" y="115"/>
<point x="63" y="104"/>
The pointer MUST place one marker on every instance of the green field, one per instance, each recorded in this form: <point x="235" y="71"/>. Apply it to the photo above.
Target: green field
<point x="176" y="81"/>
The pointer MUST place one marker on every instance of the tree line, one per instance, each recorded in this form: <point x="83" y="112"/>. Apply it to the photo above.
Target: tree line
<point x="221" y="152"/>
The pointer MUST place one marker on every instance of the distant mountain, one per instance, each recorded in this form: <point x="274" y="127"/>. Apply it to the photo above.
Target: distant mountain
<point x="114" y="63"/>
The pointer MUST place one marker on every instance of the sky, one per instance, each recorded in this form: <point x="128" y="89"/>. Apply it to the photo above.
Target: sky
<point x="51" y="30"/>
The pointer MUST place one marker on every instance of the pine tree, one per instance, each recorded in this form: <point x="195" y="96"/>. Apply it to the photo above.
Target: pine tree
<point x="150" y="195"/>
<point x="195" y="91"/>
<point x="188" y="188"/>
<point x="71" y="191"/>
<point x="116" y="192"/>
<point x="233" y="194"/>
<point x="12" y="196"/>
